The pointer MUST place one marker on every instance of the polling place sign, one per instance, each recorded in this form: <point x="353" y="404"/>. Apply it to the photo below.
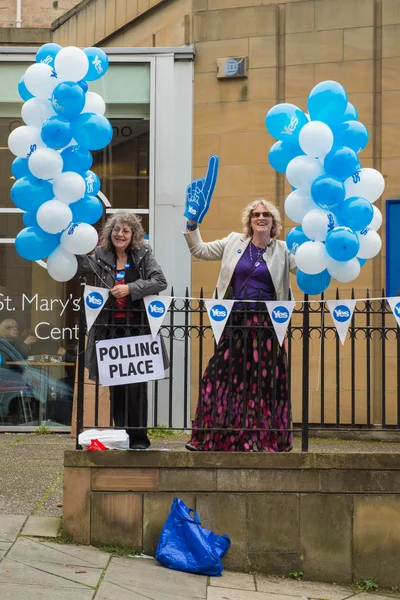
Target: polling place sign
<point x="129" y="360"/>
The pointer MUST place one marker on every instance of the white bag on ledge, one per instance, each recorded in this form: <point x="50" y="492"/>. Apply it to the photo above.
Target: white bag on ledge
<point x="113" y="439"/>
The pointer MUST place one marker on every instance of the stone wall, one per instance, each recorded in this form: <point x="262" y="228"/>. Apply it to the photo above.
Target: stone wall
<point x="334" y="517"/>
<point x="34" y="13"/>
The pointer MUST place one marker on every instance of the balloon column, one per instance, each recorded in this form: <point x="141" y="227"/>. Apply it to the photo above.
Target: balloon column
<point x="54" y="184"/>
<point x="333" y="196"/>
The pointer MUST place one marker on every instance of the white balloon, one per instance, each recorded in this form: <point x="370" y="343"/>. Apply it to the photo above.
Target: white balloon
<point x="94" y="103"/>
<point x="54" y="216"/>
<point x="297" y="205"/>
<point x="317" y="223"/>
<point x="376" y="219"/>
<point x="302" y="170"/>
<point x="40" y="80"/>
<point x="71" y="64"/>
<point x="316" y="139"/>
<point x="36" y="110"/>
<point x="69" y="187"/>
<point x="311" y="257"/>
<point x="79" y="238"/>
<point x="45" y="163"/>
<point x="344" y="271"/>
<point x="62" y="265"/>
<point x="24" y="140"/>
<point x="370" y="243"/>
<point x="366" y="183"/>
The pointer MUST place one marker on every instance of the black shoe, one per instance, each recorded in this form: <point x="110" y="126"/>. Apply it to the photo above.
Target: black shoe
<point x="138" y="446"/>
<point x="191" y="447"/>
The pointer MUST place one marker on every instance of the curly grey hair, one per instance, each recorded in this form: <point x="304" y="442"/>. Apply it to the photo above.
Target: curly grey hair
<point x="122" y="218"/>
<point x="270" y="207"/>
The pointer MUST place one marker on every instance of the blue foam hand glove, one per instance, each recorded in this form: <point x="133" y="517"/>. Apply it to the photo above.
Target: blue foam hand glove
<point x="200" y="191"/>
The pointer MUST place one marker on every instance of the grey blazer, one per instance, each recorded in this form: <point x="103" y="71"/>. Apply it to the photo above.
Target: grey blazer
<point x="230" y="249"/>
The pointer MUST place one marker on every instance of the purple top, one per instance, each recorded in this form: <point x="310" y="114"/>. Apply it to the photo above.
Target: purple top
<point x="259" y="285"/>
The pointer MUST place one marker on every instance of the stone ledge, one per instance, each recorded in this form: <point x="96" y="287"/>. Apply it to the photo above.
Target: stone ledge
<point x="24" y="36"/>
<point x="236" y="460"/>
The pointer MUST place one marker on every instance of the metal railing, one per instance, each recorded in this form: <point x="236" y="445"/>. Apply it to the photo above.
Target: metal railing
<point x="335" y="387"/>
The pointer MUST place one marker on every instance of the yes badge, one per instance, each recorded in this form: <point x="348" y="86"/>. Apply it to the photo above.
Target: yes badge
<point x="280" y="313"/>
<point x="394" y="303"/>
<point x="218" y="313"/>
<point x="94" y="299"/>
<point x="342" y="312"/>
<point x="156" y="309"/>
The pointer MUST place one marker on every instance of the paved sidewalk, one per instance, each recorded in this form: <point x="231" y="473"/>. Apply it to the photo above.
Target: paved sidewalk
<point x="41" y="569"/>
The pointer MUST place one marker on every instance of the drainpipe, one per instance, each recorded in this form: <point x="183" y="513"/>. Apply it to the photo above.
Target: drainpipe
<point x="18" y="20"/>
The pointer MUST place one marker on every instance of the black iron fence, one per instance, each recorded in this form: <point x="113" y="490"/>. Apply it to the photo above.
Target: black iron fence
<point x="331" y="386"/>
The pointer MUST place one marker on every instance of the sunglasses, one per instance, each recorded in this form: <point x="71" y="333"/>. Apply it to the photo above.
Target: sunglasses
<point x="261" y="214"/>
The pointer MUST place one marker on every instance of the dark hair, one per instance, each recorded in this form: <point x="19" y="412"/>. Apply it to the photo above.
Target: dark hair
<point x="122" y="218"/>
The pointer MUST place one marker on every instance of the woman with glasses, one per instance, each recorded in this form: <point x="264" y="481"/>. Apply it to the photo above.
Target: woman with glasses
<point x="243" y="402"/>
<point x="10" y="333"/>
<point x="124" y="263"/>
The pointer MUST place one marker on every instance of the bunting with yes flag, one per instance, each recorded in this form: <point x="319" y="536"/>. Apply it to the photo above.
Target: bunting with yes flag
<point x="280" y="313"/>
<point x="218" y="313"/>
<point x="94" y="299"/>
<point x="394" y="303"/>
<point x="342" y="312"/>
<point x="156" y="309"/>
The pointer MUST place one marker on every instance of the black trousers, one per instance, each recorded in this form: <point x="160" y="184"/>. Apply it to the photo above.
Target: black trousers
<point x="129" y="409"/>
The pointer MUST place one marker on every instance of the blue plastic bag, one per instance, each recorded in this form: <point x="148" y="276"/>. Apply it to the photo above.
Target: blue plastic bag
<point x="186" y="546"/>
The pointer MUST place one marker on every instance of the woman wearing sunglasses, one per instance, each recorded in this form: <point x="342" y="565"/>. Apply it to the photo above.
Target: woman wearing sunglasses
<point x="244" y="390"/>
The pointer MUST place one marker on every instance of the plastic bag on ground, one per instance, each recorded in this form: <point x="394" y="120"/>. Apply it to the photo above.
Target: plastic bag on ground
<point x="113" y="439"/>
<point x="185" y="545"/>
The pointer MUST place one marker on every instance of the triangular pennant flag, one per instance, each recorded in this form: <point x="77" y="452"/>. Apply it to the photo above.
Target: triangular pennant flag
<point x="280" y="313"/>
<point x="218" y="313"/>
<point x="394" y="303"/>
<point x="342" y="312"/>
<point x="95" y="299"/>
<point x="156" y="309"/>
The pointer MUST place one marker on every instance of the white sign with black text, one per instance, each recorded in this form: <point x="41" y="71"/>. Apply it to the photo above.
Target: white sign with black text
<point x="218" y="312"/>
<point x="156" y="308"/>
<point x="280" y="313"/>
<point x="129" y="360"/>
<point x="95" y="299"/>
<point x="342" y="312"/>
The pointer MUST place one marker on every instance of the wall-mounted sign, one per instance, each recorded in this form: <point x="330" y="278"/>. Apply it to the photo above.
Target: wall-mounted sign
<point x="232" y="68"/>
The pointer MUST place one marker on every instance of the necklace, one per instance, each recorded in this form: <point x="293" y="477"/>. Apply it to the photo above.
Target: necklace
<point x="259" y="258"/>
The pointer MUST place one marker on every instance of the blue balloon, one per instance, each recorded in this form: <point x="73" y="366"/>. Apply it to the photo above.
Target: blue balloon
<point x="92" y="183"/>
<point x="20" y="168"/>
<point x="88" y="209"/>
<point x="327" y="102"/>
<point x="295" y="238"/>
<point x="28" y="193"/>
<point x="362" y="261"/>
<point x="33" y="243"/>
<point x="350" y="114"/>
<point x="341" y="162"/>
<point x="76" y="159"/>
<point x="351" y="134"/>
<point x="355" y="213"/>
<point x="56" y="132"/>
<point x="98" y="63"/>
<point x="29" y="219"/>
<point x="23" y="91"/>
<point x="342" y="243"/>
<point x="327" y="191"/>
<point x="68" y="99"/>
<point x="281" y="153"/>
<point x="47" y="53"/>
<point x="83" y="85"/>
<point x="92" y="131"/>
<point x="313" y="284"/>
<point x="284" y="122"/>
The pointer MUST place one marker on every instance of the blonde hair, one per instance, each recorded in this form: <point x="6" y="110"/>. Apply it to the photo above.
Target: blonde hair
<point x="270" y="207"/>
<point x="122" y="218"/>
<point x="3" y="326"/>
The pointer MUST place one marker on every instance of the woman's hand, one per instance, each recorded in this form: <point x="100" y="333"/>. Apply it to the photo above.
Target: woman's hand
<point x="30" y="340"/>
<point x="120" y="291"/>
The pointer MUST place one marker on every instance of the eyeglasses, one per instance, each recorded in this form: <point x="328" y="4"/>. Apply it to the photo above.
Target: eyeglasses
<point x="11" y="326"/>
<point x="261" y="214"/>
<point x="124" y="230"/>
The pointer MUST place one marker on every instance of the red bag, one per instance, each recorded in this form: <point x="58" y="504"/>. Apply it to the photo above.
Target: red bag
<point x="97" y="445"/>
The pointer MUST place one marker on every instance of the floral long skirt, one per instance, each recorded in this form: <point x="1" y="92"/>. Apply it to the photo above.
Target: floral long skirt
<point x="243" y="404"/>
